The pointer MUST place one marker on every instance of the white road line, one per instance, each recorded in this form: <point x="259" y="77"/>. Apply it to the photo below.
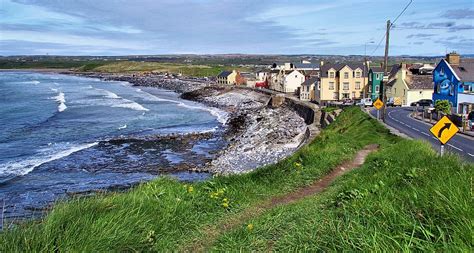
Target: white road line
<point x="433" y="138"/>
<point x="425" y="134"/>
<point x="455" y="147"/>
<point x="470" y="154"/>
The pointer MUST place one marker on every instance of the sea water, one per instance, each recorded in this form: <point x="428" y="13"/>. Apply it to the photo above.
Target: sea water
<point x="54" y="131"/>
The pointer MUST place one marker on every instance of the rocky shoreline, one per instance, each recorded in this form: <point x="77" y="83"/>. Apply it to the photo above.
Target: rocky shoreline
<point x="257" y="134"/>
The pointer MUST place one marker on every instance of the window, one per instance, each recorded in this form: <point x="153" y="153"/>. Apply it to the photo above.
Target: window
<point x="346" y="75"/>
<point x="377" y="89"/>
<point x="370" y="88"/>
<point x="345" y="95"/>
<point x="331" y="74"/>
<point x="370" y="78"/>
<point x="441" y="71"/>
<point x="331" y="85"/>
<point x="353" y="94"/>
<point x="335" y="95"/>
<point x="357" y="85"/>
<point x="358" y="74"/>
<point x="345" y="86"/>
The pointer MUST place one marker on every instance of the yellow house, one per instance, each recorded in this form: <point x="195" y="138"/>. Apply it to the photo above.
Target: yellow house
<point x="229" y="77"/>
<point x="407" y="86"/>
<point x="341" y="81"/>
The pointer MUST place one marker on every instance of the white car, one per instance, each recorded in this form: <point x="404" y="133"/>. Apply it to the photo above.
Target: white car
<point x="365" y="102"/>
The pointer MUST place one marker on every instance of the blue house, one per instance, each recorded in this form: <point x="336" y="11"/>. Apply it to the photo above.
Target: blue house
<point x="453" y="80"/>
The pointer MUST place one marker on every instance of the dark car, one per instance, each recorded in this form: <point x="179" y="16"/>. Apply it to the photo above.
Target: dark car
<point x="423" y="102"/>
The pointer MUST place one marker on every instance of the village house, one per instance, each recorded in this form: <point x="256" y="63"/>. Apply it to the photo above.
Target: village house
<point x="407" y="86"/>
<point x="288" y="77"/>
<point x="453" y="80"/>
<point x="230" y="78"/>
<point x="340" y="81"/>
<point x="375" y="78"/>
<point x="291" y="81"/>
<point x="307" y="89"/>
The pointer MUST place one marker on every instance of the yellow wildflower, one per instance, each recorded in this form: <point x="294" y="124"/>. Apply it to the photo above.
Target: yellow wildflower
<point x="250" y="227"/>
<point x="225" y="205"/>
<point x="225" y="200"/>
<point x="190" y="189"/>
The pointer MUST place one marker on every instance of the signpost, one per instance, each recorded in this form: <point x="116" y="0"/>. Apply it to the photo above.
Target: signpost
<point x="378" y="104"/>
<point x="444" y="130"/>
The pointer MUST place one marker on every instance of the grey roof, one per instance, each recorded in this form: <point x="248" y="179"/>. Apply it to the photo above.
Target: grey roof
<point x="394" y="70"/>
<point x="339" y="66"/>
<point x="377" y="69"/>
<point x="224" y="73"/>
<point x="309" y="72"/>
<point x="465" y="70"/>
<point x="418" y="82"/>
<point x="310" y="81"/>
<point x="306" y="65"/>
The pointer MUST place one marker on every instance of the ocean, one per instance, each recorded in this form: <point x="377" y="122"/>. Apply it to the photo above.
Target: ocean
<point x="62" y="134"/>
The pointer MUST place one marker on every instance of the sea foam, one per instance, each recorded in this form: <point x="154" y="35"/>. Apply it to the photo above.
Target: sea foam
<point x="24" y="167"/>
<point x="60" y="99"/>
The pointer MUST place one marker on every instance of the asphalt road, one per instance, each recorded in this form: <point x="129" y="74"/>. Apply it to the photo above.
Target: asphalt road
<point x="399" y="118"/>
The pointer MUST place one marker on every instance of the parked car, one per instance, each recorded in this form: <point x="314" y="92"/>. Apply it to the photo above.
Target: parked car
<point x="470" y="118"/>
<point x="423" y="102"/>
<point x="365" y="102"/>
<point x="348" y="102"/>
<point x="394" y="101"/>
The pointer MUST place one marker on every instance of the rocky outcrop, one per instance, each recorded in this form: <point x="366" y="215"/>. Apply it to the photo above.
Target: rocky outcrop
<point x="258" y="134"/>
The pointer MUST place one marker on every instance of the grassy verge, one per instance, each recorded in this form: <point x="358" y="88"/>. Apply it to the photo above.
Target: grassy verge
<point x="165" y="214"/>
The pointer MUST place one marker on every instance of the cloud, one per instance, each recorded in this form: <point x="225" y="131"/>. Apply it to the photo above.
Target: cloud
<point x="420" y="35"/>
<point x="459" y="14"/>
<point x="449" y="26"/>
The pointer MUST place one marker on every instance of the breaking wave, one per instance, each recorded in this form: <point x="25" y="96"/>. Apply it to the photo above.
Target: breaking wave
<point x="60" y="99"/>
<point x="23" y="167"/>
<point x="221" y="116"/>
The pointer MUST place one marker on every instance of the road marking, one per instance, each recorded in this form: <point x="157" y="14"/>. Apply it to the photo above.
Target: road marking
<point x="434" y="138"/>
<point x="455" y="147"/>
<point x="425" y="134"/>
<point x="470" y="154"/>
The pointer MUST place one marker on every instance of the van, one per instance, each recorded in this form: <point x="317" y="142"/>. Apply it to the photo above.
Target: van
<point x="365" y="102"/>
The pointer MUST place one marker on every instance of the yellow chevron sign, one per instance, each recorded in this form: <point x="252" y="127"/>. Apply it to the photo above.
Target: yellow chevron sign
<point x="378" y="104"/>
<point x="444" y="129"/>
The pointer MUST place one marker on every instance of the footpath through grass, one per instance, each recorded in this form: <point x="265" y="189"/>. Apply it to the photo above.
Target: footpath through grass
<point x="404" y="197"/>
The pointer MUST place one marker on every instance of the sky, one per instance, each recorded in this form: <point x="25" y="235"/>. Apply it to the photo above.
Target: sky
<point x="147" y="27"/>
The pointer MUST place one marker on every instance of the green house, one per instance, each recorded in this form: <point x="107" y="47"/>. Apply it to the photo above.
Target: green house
<point x="375" y="79"/>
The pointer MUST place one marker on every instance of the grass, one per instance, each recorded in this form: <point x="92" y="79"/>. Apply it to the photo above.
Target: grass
<point x="175" y="68"/>
<point x="404" y="197"/>
<point x="330" y="109"/>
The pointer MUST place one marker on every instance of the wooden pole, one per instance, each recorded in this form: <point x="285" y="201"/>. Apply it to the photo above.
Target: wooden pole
<point x="385" y="63"/>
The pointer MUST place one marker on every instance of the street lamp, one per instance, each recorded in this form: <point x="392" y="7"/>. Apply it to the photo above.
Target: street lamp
<point x="366" y="63"/>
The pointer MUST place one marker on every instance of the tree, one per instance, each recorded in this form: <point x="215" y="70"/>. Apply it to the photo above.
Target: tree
<point x="443" y="106"/>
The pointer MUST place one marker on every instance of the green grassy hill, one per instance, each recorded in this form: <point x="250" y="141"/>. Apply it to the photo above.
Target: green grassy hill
<point x="405" y="197"/>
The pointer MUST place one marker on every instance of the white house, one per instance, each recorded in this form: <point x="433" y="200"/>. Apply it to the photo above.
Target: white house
<point x="307" y="89"/>
<point x="291" y="81"/>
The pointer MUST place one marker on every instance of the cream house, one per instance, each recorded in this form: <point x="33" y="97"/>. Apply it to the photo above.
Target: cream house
<point x="407" y="86"/>
<point x="341" y="81"/>
<point x="307" y="89"/>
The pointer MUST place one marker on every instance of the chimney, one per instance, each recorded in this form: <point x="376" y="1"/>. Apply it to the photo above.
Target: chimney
<point x="453" y="58"/>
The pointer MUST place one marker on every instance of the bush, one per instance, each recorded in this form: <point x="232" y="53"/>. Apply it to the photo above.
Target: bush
<point x="443" y="106"/>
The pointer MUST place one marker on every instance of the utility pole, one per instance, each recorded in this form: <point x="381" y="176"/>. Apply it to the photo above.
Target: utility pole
<point x="385" y="64"/>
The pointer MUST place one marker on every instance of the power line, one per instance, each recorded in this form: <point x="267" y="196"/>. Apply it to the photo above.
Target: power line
<point x="391" y="25"/>
<point x="401" y="13"/>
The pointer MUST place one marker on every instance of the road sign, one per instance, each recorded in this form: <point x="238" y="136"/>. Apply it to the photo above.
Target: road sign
<point x="444" y="130"/>
<point x="378" y="104"/>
